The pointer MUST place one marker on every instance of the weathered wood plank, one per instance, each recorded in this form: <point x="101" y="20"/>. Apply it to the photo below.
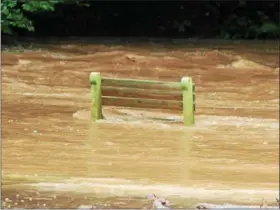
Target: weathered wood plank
<point x="141" y="103"/>
<point x="144" y="84"/>
<point x="141" y="93"/>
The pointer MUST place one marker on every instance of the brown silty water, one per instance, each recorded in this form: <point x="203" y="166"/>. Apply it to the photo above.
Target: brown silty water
<point x="54" y="156"/>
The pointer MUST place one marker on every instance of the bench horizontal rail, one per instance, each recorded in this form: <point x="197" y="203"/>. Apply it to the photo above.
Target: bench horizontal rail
<point x="141" y="103"/>
<point x="144" y="84"/>
<point x="141" y="93"/>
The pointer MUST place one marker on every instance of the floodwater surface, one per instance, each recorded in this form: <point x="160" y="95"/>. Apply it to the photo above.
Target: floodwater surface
<point x="53" y="156"/>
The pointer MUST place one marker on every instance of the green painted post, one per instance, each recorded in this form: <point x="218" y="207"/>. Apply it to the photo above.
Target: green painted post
<point x="96" y="104"/>
<point x="188" y="100"/>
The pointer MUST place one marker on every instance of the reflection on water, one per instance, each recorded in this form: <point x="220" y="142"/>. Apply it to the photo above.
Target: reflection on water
<point x="50" y="147"/>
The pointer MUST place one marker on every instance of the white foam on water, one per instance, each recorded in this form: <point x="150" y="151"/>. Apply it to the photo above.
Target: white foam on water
<point x="134" y="122"/>
<point x="165" y="121"/>
<point x="227" y="205"/>
<point x="202" y="122"/>
<point x="121" y="187"/>
<point x="207" y="120"/>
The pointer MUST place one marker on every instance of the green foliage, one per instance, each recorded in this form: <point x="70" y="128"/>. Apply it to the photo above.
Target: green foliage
<point x="264" y="29"/>
<point x="248" y="23"/>
<point x="14" y="12"/>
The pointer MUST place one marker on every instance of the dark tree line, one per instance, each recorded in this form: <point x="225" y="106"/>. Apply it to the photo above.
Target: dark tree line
<point x="202" y="19"/>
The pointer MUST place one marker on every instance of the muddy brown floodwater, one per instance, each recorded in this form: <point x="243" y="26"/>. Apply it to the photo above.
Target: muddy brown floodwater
<point x="53" y="156"/>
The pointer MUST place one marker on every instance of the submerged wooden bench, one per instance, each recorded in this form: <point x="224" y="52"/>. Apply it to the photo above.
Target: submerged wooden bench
<point x="142" y="94"/>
